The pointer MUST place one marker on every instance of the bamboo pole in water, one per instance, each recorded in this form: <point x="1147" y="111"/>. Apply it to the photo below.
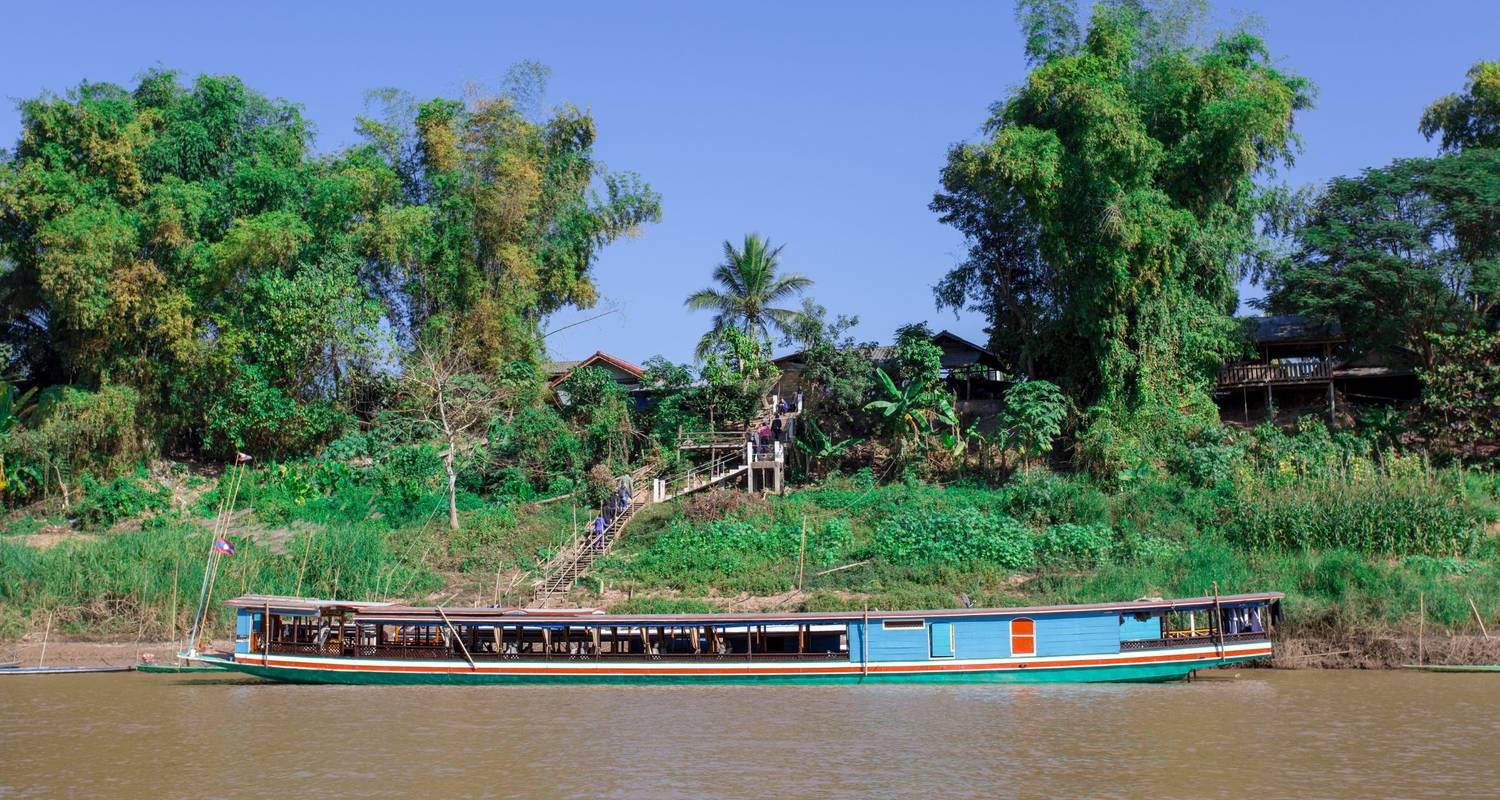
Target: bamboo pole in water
<point x="172" y="613"/>
<point x="307" y="548"/>
<point x="802" y="553"/>
<point x="42" y="660"/>
<point x="1478" y="618"/>
<point x="1421" y="623"/>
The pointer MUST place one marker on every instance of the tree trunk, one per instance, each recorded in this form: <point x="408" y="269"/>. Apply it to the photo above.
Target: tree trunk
<point x="448" y="457"/>
<point x="452" y="488"/>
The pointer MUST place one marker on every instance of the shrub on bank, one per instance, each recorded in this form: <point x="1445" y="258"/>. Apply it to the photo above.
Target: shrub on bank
<point x="966" y="535"/>
<point x="125" y="497"/>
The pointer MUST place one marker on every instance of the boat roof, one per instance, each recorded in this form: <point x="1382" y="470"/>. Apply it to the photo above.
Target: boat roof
<point x="381" y="611"/>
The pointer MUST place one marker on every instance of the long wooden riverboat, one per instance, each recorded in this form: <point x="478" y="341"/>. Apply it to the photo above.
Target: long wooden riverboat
<point x="324" y="641"/>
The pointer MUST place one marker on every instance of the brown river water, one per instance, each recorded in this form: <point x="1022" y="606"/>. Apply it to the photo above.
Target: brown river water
<point x="1247" y="733"/>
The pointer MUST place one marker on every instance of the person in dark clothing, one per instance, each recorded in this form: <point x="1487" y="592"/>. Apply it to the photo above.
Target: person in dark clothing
<point x="776" y="428"/>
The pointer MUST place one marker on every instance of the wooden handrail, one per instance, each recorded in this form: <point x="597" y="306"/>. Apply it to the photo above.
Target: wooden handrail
<point x="1287" y="372"/>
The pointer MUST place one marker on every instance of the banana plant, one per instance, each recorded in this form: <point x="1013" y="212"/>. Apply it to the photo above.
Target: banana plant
<point x="910" y="410"/>
<point x="819" y="445"/>
<point x="17" y="478"/>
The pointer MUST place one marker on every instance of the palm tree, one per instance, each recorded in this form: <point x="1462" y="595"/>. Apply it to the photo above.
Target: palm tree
<point x="748" y="285"/>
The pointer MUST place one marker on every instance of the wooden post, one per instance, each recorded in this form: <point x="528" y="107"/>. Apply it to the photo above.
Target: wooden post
<point x="1219" y="619"/>
<point x="1421" y="623"/>
<point x="265" y="638"/>
<point x="864" y="645"/>
<point x="42" y="660"/>
<point x="1478" y="618"/>
<point x="172" y="632"/>
<point x="802" y="553"/>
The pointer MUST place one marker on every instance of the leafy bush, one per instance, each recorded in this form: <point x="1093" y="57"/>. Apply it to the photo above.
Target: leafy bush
<point x="966" y="535"/>
<point x="538" y="443"/>
<point x="1067" y="544"/>
<point x="69" y="432"/>
<point x="250" y="413"/>
<point x="125" y="497"/>
<point x="1045" y="498"/>
<point x="1207" y="465"/>
<point x="1033" y="417"/>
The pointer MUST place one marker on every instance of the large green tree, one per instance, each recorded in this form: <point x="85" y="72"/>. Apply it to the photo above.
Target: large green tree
<point x="1471" y="118"/>
<point x="1400" y="252"/>
<point x="750" y="282"/>
<point x="504" y="214"/>
<point x="1136" y="160"/>
<point x="186" y="241"/>
<point x="182" y="240"/>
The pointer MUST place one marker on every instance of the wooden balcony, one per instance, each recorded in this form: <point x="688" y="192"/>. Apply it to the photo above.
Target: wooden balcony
<point x="1235" y="376"/>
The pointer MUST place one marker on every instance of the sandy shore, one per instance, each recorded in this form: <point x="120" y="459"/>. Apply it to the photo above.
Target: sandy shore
<point x="88" y="654"/>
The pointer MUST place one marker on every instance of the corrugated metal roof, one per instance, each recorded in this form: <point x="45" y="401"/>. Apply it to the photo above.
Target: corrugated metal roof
<point x="374" y="612"/>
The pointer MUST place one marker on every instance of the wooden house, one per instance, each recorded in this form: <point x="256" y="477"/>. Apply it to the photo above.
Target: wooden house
<point x="1300" y="361"/>
<point x="626" y="374"/>
<point x="971" y="371"/>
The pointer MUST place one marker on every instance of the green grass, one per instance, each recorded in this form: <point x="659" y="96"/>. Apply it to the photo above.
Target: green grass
<point x="121" y="582"/>
<point x="1351" y="540"/>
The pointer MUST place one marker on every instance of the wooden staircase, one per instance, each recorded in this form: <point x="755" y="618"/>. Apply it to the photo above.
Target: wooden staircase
<point x="561" y="573"/>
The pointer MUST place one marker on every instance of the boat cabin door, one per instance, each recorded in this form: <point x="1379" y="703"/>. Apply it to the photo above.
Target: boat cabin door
<point x="943" y="639"/>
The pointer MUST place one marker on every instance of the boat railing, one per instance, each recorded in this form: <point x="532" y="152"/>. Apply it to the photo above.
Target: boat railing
<point x="1191" y="641"/>
<point x="543" y="656"/>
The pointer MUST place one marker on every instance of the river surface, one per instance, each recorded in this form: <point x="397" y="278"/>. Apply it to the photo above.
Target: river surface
<point x="1248" y="733"/>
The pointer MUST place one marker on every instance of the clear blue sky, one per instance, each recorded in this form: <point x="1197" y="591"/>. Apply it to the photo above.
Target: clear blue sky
<point x="821" y="125"/>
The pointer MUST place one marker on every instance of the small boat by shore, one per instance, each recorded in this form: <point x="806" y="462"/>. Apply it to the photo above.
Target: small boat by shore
<point x="325" y="641"/>
<point x="64" y="670"/>
<point x="1453" y="667"/>
<point x="154" y="668"/>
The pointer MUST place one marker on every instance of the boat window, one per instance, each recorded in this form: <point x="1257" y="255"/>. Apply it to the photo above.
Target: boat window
<point x="1022" y="637"/>
<point x="901" y="624"/>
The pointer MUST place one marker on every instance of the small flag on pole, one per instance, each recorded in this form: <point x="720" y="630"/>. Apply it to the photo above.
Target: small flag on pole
<point x="240" y="458"/>
<point x="223" y="545"/>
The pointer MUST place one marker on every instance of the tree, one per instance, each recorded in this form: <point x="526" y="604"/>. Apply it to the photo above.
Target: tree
<point x="836" y="372"/>
<point x="1471" y="119"/>
<point x="1460" y="409"/>
<point x="1003" y="276"/>
<point x="1136" y="163"/>
<point x="1032" y="417"/>
<point x="1400" y="252"/>
<point x="735" y="375"/>
<point x="909" y="411"/>
<point x="450" y="400"/>
<point x="592" y="399"/>
<point x="919" y="362"/>
<point x="181" y="240"/>
<point x="500" y="223"/>
<point x="749" y="282"/>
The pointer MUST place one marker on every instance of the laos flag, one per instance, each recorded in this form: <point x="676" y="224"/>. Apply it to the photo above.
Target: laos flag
<point x="223" y="545"/>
